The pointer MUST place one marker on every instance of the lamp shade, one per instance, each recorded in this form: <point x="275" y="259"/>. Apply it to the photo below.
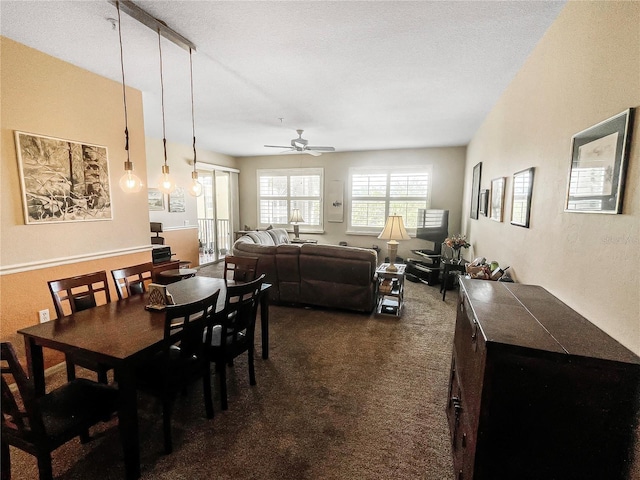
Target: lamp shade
<point x="296" y="216"/>
<point x="394" y="229"/>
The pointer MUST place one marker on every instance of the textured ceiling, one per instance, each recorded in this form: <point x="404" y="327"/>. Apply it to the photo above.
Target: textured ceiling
<point x="355" y="75"/>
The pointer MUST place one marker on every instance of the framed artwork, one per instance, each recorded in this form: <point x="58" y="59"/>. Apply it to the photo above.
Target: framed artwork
<point x="62" y="180"/>
<point x="599" y="157"/>
<point x="176" y="201"/>
<point x="521" y="197"/>
<point x="484" y="201"/>
<point x="156" y="199"/>
<point x="497" y="198"/>
<point x="475" y="190"/>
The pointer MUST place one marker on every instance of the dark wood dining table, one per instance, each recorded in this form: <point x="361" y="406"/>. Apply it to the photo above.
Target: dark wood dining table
<point x="120" y="334"/>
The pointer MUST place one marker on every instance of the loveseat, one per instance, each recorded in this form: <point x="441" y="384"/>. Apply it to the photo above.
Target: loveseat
<point x="310" y="274"/>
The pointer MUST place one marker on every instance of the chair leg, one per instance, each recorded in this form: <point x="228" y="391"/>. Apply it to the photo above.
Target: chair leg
<point x="206" y="387"/>
<point x="71" y="370"/>
<point x="252" y="370"/>
<point x="223" y="385"/>
<point x="167" y="405"/>
<point x="85" y="437"/>
<point x="5" y="461"/>
<point x="102" y="376"/>
<point x="44" y="466"/>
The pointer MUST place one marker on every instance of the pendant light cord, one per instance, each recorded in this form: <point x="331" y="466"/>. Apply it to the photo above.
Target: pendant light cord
<point x="193" y="121"/>
<point x="124" y="89"/>
<point x="164" y="135"/>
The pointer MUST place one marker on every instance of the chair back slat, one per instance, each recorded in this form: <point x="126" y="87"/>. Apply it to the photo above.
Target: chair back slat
<point x="240" y="269"/>
<point x="74" y="294"/>
<point x="132" y="280"/>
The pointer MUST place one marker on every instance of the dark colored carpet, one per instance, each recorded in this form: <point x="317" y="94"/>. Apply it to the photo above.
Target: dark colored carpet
<point x="342" y="396"/>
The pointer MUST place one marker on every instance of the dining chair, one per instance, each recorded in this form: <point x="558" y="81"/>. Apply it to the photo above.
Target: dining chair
<point x="240" y="269"/>
<point x="181" y="360"/>
<point x="232" y="334"/>
<point x="74" y="294"/>
<point x="132" y="280"/>
<point x="40" y="425"/>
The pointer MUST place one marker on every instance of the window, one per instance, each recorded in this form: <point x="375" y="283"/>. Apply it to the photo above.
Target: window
<point x="375" y="196"/>
<point x="282" y="190"/>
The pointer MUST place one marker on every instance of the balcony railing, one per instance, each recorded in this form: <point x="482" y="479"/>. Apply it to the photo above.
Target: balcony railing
<point x="214" y="240"/>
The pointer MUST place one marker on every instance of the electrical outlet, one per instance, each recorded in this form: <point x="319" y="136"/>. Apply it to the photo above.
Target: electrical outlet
<point x="43" y="315"/>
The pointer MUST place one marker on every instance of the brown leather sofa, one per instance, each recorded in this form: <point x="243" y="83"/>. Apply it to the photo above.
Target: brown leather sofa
<point x="310" y="274"/>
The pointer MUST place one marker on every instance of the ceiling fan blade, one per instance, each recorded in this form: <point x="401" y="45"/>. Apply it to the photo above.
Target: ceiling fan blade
<point x="322" y="149"/>
<point x="279" y="146"/>
<point x="311" y="152"/>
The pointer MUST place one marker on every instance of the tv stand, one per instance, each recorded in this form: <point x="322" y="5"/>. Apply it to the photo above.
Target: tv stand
<point x="426" y="267"/>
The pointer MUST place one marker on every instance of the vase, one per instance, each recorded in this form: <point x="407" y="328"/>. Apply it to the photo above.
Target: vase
<point x="456" y="256"/>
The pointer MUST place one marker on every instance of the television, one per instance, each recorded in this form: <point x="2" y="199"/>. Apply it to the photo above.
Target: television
<point x="433" y="226"/>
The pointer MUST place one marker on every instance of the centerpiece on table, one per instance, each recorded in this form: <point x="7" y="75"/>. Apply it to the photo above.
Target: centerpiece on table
<point x="457" y="242"/>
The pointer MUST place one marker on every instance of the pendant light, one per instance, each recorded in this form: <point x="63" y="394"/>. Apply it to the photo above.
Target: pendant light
<point x="195" y="188"/>
<point x="129" y="183"/>
<point x="167" y="185"/>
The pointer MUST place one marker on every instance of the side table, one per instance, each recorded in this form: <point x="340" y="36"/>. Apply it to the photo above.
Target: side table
<point x="448" y="270"/>
<point x="390" y="290"/>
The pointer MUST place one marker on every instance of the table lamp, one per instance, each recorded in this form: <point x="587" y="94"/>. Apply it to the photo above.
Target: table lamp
<point x="393" y="231"/>
<point x="296" y="218"/>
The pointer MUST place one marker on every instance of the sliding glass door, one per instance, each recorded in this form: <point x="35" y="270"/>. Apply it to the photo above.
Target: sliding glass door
<point x="214" y="215"/>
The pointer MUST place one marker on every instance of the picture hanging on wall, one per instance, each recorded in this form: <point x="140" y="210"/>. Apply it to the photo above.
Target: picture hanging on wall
<point x="63" y="180"/>
<point x="484" y="201"/>
<point x="599" y="157"/>
<point x="497" y="199"/>
<point x="176" y="201"/>
<point x="156" y="199"/>
<point x="475" y="190"/>
<point x="521" y="197"/>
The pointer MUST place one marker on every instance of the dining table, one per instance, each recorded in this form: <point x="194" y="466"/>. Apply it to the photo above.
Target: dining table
<point x="120" y="335"/>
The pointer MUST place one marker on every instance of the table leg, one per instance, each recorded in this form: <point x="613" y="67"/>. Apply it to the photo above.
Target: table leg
<point x="35" y="365"/>
<point x="128" y="422"/>
<point x="264" y="323"/>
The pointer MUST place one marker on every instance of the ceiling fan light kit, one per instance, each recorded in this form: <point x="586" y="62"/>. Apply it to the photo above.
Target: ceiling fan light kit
<point x="301" y="145"/>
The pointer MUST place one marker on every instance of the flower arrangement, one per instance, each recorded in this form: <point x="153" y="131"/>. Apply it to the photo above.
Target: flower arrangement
<point x="457" y="242"/>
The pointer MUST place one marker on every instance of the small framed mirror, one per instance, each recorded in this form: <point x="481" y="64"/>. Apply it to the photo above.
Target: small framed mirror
<point x="521" y="197"/>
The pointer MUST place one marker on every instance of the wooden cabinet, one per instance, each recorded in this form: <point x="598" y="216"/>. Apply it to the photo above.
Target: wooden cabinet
<point x="536" y="391"/>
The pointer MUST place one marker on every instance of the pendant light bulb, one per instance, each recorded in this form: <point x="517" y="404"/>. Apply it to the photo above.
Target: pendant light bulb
<point x="130" y="182"/>
<point x="167" y="185"/>
<point x="195" y="188"/>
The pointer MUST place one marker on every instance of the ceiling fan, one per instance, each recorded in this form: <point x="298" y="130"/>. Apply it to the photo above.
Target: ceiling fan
<point x="300" y="145"/>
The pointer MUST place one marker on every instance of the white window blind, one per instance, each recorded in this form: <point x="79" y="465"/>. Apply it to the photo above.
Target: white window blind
<point x="375" y="196"/>
<point x="282" y="190"/>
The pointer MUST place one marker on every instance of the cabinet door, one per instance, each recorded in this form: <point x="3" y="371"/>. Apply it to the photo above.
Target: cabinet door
<point x="462" y="435"/>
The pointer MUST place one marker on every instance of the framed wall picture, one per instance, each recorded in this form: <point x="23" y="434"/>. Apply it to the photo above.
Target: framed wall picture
<point x="176" y="201"/>
<point x="475" y="190"/>
<point x="156" y="199"/>
<point x="599" y="157"/>
<point x="63" y="180"/>
<point x="484" y="201"/>
<point x="521" y="197"/>
<point x="497" y="198"/>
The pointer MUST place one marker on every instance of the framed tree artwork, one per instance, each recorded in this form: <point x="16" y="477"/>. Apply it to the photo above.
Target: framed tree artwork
<point x="475" y="190"/>
<point x="599" y="157"/>
<point x="521" y="197"/>
<point x="63" y="180"/>
<point x="497" y="198"/>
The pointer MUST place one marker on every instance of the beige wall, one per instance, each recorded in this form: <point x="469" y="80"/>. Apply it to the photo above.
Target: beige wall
<point x="46" y="96"/>
<point x="178" y="158"/>
<point x="448" y="172"/>
<point x="585" y="70"/>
